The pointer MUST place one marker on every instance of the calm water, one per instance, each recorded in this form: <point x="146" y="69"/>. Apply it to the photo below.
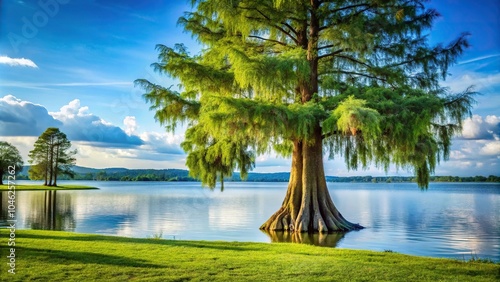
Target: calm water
<point x="454" y="220"/>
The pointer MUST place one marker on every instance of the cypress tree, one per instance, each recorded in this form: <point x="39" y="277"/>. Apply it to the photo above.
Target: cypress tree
<point x="356" y="79"/>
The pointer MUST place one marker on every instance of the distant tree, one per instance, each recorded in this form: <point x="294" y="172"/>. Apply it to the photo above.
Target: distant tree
<point x="9" y="157"/>
<point x="357" y="78"/>
<point x="51" y="157"/>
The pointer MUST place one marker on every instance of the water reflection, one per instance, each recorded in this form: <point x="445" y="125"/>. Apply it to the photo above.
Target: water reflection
<point x="48" y="210"/>
<point x="4" y="213"/>
<point x="317" y="239"/>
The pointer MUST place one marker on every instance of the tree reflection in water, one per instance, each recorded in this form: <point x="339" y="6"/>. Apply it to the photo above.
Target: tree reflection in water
<point x="51" y="211"/>
<point x="317" y="239"/>
<point x="4" y="213"/>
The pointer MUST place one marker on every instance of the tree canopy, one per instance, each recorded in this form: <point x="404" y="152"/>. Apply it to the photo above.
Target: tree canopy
<point x="272" y="72"/>
<point x="9" y="157"/>
<point x="353" y="78"/>
<point x="51" y="157"/>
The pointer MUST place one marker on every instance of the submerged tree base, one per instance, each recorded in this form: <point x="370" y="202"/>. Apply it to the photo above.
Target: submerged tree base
<point x="327" y="222"/>
<point x="308" y="206"/>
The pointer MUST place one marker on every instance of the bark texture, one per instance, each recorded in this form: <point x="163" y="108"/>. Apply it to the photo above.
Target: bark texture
<point x="307" y="206"/>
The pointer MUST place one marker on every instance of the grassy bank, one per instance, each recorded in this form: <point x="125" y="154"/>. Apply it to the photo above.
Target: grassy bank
<point x="32" y="187"/>
<point x="61" y="256"/>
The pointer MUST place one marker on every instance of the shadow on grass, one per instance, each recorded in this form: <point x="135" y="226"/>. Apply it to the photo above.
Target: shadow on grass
<point x="63" y="257"/>
<point x="218" y="245"/>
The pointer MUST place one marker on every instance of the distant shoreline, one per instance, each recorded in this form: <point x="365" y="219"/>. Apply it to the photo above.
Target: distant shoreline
<point x="339" y="180"/>
<point x="124" y="174"/>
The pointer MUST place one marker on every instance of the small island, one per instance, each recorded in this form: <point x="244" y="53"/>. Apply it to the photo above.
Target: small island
<point x="39" y="187"/>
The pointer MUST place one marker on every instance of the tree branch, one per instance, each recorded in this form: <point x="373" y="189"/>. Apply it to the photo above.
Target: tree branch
<point x="355" y="60"/>
<point x="267" y="39"/>
<point x="331" y="54"/>
<point x="357" y="73"/>
<point x="326" y="46"/>
<point x="349" y="16"/>
<point x="268" y="19"/>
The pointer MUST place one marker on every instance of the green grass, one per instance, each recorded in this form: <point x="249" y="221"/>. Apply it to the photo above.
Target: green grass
<point x="37" y="187"/>
<point x="62" y="256"/>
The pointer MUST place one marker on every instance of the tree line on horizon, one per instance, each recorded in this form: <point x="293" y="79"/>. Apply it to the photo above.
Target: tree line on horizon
<point x="179" y="175"/>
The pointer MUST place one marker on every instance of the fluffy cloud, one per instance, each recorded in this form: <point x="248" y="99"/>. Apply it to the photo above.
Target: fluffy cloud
<point x="130" y="125"/>
<point x="478" y="128"/>
<point x="491" y="149"/>
<point x="22" y="118"/>
<point x="17" y="62"/>
<point x="80" y="125"/>
<point x="481" y="81"/>
<point x="472" y="157"/>
<point x="162" y="143"/>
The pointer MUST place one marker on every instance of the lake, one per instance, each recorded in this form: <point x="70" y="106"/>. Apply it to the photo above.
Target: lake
<point x="454" y="220"/>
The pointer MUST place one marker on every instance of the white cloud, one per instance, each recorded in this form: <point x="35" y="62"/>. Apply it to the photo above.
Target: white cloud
<point x="162" y="143"/>
<point x="478" y="128"/>
<point x="70" y="111"/>
<point x="14" y="62"/>
<point x="480" y="81"/>
<point x="23" y="118"/>
<point x="80" y="125"/>
<point x="478" y="59"/>
<point x="493" y="120"/>
<point x="491" y="149"/>
<point x="130" y="125"/>
<point x="472" y="157"/>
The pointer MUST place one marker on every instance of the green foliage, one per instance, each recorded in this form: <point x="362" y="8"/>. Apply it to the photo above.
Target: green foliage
<point x="51" y="157"/>
<point x="9" y="158"/>
<point x="351" y="116"/>
<point x="275" y="72"/>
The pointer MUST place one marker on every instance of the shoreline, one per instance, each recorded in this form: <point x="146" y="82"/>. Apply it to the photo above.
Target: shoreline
<point x="38" y="187"/>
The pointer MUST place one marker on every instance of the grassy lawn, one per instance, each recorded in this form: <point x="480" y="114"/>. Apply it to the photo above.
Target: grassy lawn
<point x="62" y="256"/>
<point x="41" y="187"/>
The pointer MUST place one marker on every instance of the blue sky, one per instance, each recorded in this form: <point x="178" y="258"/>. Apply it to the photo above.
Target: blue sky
<point x="71" y="64"/>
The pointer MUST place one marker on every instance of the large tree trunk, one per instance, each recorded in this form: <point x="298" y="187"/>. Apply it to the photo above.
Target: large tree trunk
<point x="51" y="161"/>
<point x="56" y="166"/>
<point x="46" y="175"/>
<point x="308" y="206"/>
